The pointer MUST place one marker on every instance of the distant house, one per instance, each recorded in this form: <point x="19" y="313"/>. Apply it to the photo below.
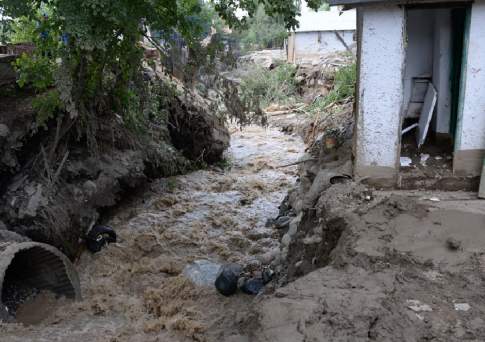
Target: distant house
<point x="422" y="62"/>
<point x="321" y="32"/>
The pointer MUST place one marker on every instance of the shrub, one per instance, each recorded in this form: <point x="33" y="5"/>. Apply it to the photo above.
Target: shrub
<point x="264" y="87"/>
<point x="47" y="105"/>
<point x="36" y="71"/>
<point x="343" y="88"/>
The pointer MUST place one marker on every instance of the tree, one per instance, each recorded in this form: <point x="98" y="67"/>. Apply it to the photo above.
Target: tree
<point x="263" y="31"/>
<point x="90" y="50"/>
<point x="288" y="10"/>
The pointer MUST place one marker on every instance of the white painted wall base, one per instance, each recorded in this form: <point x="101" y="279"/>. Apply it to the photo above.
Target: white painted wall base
<point x="380" y="95"/>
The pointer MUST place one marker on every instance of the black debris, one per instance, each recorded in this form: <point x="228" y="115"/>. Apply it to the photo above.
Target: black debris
<point x="100" y="236"/>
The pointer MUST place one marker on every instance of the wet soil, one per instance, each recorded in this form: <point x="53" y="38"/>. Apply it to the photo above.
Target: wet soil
<point x="408" y="266"/>
<point x="134" y="290"/>
<point x="34" y="311"/>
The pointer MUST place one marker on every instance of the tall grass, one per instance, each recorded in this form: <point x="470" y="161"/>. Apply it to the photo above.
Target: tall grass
<point x="343" y="88"/>
<point x="270" y="86"/>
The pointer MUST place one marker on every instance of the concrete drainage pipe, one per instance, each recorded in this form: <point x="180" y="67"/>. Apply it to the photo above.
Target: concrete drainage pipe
<point x="26" y="268"/>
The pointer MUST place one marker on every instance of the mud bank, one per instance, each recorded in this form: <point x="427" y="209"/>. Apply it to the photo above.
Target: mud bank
<point x="55" y="181"/>
<point x="403" y="269"/>
<point x="366" y="265"/>
<point x="134" y="290"/>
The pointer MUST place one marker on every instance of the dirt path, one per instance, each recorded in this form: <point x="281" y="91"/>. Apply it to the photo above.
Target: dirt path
<point x="134" y="290"/>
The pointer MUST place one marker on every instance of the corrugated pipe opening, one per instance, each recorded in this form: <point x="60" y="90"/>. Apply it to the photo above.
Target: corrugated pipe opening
<point x="28" y="268"/>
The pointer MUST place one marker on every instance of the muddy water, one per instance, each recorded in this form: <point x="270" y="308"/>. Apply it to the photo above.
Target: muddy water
<point x="134" y="290"/>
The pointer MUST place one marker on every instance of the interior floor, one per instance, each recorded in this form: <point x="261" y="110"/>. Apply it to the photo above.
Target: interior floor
<point x="433" y="159"/>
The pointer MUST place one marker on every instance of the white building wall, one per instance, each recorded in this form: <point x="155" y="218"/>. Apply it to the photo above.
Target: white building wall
<point x="380" y="95"/>
<point x="470" y="137"/>
<point x="309" y="45"/>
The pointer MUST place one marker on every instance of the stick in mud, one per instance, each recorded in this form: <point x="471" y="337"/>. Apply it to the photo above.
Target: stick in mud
<point x="296" y="163"/>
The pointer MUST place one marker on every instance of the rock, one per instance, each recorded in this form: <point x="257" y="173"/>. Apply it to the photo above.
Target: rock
<point x="227" y="280"/>
<point x="462" y="307"/>
<point x="418" y="306"/>
<point x="4" y="131"/>
<point x="6" y="235"/>
<point x="267" y="275"/>
<point x="286" y="240"/>
<point x="89" y="188"/>
<point x="252" y="286"/>
<point x="282" y="222"/>
<point x="453" y="244"/>
<point x="268" y="257"/>
<point x="4" y="315"/>
<point x="35" y="201"/>
<point x="293" y="229"/>
<point x="269" y="223"/>
<point x="264" y="58"/>
<point x="202" y="272"/>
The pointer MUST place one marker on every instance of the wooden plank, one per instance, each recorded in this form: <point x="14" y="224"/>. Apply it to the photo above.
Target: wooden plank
<point x="426" y="115"/>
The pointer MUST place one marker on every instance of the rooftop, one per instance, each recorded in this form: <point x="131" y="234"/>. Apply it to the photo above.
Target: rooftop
<point x="356" y="3"/>
<point x="332" y="20"/>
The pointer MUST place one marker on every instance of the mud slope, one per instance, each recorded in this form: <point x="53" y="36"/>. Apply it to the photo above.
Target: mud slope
<point x="134" y="290"/>
<point x="404" y="268"/>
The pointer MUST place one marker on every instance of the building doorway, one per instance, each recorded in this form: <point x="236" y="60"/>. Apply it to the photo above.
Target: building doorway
<point x="434" y="64"/>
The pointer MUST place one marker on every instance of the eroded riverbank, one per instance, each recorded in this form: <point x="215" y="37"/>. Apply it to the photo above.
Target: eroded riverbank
<point x="134" y="290"/>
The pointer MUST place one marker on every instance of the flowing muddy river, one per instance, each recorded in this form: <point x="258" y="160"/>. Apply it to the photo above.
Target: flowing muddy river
<point x="135" y="291"/>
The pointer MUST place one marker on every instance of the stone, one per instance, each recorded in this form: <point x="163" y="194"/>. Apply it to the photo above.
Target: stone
<point x="453" y="244"/>
<point x="252" y="286"/>
<point x="462" y="307"/>
<point x="4" y="131"/>
<point x="202" y="272"/>
<point x="227" y="280"/>
<point x="89" y="188"/>
<point x="282" y="222"/>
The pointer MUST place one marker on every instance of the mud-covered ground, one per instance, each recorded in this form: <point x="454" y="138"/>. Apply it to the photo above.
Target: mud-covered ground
<point x="407" y="266"/>
<point x="134" y="290"/>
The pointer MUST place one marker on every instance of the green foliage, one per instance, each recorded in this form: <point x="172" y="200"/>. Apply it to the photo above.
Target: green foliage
<point x="22" y="30"/>
<point x="36" y="71"/>
<point x="47" y="106"/>
<point x="263" y="31"/>
<point x="288" y="10"/>
<point x="343" y="88"/>
<point x="90" y="50"/>
<point x="225" y="164"/>
<point x="262" y="87"/>
<point x="171" y="184"/>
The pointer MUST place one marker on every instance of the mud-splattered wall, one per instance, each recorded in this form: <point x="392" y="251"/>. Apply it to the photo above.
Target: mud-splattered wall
<point x="470" y="137"/>
<point x="381" y="62"/>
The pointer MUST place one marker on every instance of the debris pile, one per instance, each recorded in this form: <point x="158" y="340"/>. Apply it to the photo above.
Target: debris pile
<point x="316" y="78"/>
<point x="265" y="58"/>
